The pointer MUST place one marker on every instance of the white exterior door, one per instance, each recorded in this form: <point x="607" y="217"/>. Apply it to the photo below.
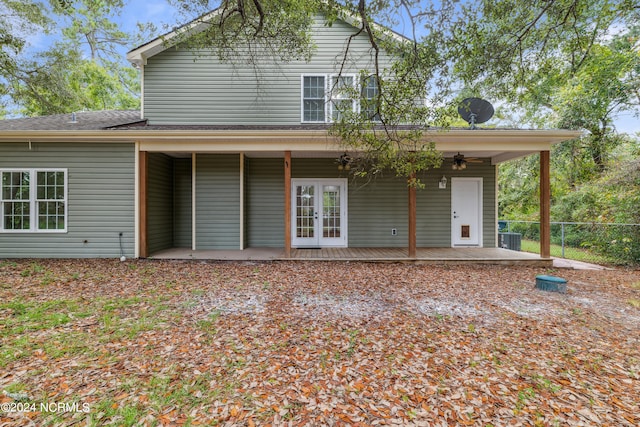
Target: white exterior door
<point x="466" y="211"/>
<point x="319" y="213"/>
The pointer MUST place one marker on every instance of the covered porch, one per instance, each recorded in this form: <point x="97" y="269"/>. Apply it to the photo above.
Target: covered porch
<point x="449" y="256"/>
<point x="232" y="192"/>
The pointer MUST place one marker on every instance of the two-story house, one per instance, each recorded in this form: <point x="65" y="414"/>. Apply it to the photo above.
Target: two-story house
<point x="223" y="158"/>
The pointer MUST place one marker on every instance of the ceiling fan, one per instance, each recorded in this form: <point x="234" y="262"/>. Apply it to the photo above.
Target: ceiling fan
<point x="460" y="162"/>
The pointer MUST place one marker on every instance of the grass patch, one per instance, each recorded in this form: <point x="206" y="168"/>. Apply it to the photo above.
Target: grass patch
<point x="22" y="324"/>
<point x="8" y="264"/>
<point x="108" y="411"/>
<point x="34" y="268"/>
<point x="21" y="317"/>
<point x="31" y="326"/>
<point x="120" y="303"/>
<point x="575" y="254"/>
<point x="208" y="325"/>
<point x="115" y="326"/>
<point x="634" y="302"/>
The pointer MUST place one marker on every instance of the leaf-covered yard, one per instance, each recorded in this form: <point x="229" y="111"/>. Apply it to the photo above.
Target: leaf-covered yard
<point x="99" y="342"/>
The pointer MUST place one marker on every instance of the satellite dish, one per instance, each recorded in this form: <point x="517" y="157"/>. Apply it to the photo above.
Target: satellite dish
<point x="475" y="110"/>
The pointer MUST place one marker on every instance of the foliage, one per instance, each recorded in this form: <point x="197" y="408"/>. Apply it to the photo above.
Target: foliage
<point x="607" y="83"/>
<point x="239" y="31"/>
<point x="66" y="77"/>
<point x="612" y="198"/>
<point x="563" y="63"/>
<point x="17" y="20"/>
<point x="410" y="95"/>
<point x="91" y="23"/>
<point x="577" y="66"/>
<point x="557" y="61"/>
<point x="388" y="131"/>
<point x="518" y="188"/>
<point x="523" y="50"/>
<point x="576" y="253"/>
<point x="581" y="194"/>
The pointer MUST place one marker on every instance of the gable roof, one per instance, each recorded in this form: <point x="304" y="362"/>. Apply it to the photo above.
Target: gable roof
<point x="84" y="120"/>
<point x="139" y="55"/>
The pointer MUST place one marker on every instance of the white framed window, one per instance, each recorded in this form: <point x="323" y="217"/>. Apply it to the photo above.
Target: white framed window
<point x="314" y="99"/>
<point x="33" y="200"/>
<point x="369" y="98"/>
<point x="343" y="88"/>
<point x="327" y="97"/>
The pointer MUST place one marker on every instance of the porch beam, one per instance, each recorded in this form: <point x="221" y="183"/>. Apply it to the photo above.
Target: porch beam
<point x="287" y="204"/>
<point x="412" y="218"/>
<point x="143" y="172"/>
<point x="545" y="205"/>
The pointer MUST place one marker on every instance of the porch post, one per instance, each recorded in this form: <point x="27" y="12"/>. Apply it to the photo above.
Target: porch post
<point x="241" y="243"/>
<point x="142" y="202"/>
<point x="412" y="217"/>
<point x="287" y="204"/>
<point x="545" y="205"/>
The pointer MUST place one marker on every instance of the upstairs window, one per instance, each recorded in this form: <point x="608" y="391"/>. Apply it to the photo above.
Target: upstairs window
<point x="33" y="200"/>
<point x="313" y="99"/>
<point x="369" y="99"/>
<point x="342" y="96"/>
<point x="327" y="98"/>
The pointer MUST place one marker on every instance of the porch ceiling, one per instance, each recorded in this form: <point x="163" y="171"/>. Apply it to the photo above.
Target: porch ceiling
<point x="502" y="156"/>
<point x="496" y="157"/>
<point x="499" y="145"/>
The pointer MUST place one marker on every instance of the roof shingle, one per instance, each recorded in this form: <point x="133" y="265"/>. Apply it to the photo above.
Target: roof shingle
<point x="84" y="120"/>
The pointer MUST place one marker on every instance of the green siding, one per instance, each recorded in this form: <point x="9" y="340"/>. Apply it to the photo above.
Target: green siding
<point x="434" y="204"/>
<point x="184" y="87"/>
<point x="101" y="200"/>
<point x="316" y="168"/>
<point x="264" y="202"/>
<point x="217" y="201"/>
<point x="182" y="209"/>
<point x="375" y="209"/>
<point x="160" y="203"/>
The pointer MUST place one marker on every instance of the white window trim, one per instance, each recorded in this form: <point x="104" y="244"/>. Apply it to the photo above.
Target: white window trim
<point x="33" y="201"/>
<point x="302" y="120"/>
<point x="355" y="104"/>
<point x="360" y="88"/>
<point x="328" y="98"/>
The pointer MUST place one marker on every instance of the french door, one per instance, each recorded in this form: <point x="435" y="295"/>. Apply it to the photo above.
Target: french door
<point x="319" y="213"/>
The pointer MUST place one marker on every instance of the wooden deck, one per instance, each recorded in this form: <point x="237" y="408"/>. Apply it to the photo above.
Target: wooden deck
<point x="423" y="256"/>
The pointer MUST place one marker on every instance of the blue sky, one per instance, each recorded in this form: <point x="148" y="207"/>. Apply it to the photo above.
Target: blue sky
<point x="158" y="12"/>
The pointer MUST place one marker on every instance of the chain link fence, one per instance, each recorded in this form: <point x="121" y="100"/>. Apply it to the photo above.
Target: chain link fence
<point x="600" y="243"/>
